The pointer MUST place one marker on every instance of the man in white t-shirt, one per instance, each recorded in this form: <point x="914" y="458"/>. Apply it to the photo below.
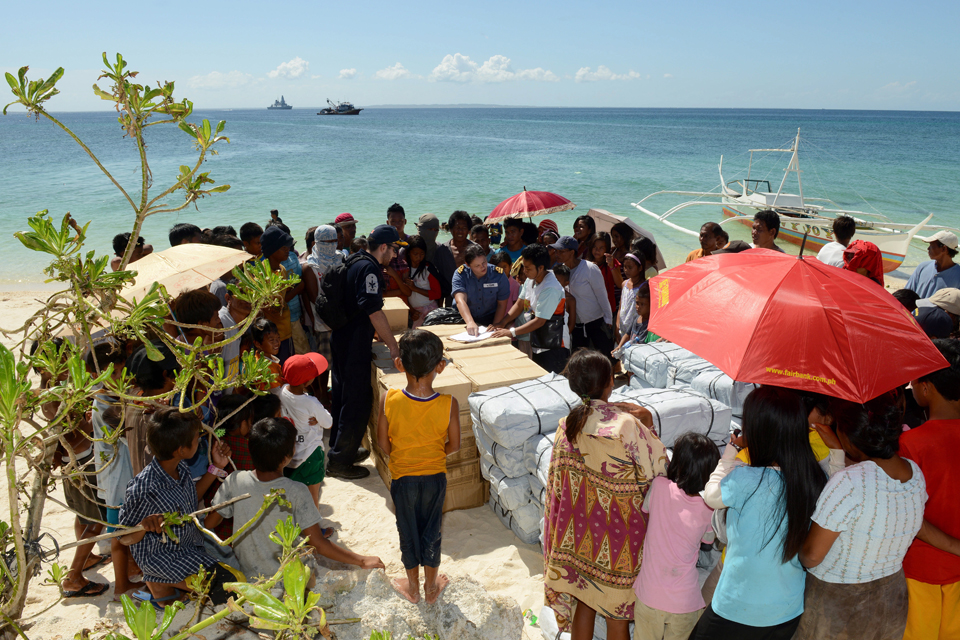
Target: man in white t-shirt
<point x="843" y="229"/>
<point x="544" y="298"/>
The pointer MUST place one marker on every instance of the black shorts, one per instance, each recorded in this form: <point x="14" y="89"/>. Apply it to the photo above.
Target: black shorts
<point x="418" y="501"/>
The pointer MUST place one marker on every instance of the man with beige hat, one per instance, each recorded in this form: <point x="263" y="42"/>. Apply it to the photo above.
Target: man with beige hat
<point x="941" y="271"/>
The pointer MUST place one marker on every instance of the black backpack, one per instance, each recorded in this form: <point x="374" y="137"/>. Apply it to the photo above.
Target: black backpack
<point x="334" y="305"/>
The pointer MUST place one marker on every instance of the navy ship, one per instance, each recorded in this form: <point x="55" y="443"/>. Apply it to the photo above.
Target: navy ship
<point x="280" y="104"/>
<point x="339" y="109"/>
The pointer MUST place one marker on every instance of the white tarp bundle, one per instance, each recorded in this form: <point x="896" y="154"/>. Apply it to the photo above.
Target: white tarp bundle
<point x="652" y="361"/>
<point x="543" y="459"/>
<point x="512" y="493"/>
<point x="720" y="386"/>
<point x="677" y="411"/>
<point x="510" y="461"/>
<point x="510" y="415"/>
<point x="682" y="372"/>
<point x="538" y="491"/>
<point x="536" y="448"/>
<point x="524" y="522"/>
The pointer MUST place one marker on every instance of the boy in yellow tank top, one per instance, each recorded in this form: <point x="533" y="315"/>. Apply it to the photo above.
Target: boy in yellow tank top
<point x="418" y="429"/>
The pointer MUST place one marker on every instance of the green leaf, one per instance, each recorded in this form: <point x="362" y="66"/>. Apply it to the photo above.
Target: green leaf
<point x="186" y="128"/>
<point x="205" y="129"/>
<point x="295" y="576"/>
<point x="12" y="82"/>
<point x="260" y="623"/>
<point x="264" y="604"/>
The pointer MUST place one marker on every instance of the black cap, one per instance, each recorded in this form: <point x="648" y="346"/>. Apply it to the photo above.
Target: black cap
<point x="566" y="243"/>
<point x="272" y="239"/>
<point x="934" y="321"/>
<point x="384" y="234"/>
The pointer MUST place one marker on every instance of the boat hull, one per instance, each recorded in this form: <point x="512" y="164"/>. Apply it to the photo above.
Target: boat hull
<point x="893" y="246"/>
<point x="287" y="108"/>
<point x="327" y="112"/>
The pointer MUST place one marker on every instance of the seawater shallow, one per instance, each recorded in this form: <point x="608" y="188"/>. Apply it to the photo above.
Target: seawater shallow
<point x="311" y="168"/>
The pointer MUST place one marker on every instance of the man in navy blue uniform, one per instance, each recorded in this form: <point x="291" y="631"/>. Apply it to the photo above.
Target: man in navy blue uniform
<point x="480" y="290"/>
<point x="350" y="347"/>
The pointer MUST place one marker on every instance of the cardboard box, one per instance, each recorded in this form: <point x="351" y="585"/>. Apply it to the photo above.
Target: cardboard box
<point x="466" y="488"/>
<point x="515" y="371"/>
<point x="497" y="352"/>
<point x="454" y="346"/>
<point x="397" y="313"/>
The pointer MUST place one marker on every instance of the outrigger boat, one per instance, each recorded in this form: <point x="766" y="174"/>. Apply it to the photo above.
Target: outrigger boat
<point x="799" y="216"/>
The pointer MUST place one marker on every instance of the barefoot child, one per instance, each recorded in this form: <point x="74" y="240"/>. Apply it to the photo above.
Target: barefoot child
<point x="418" y="428"/>
<point x="309" y="417"/>
<point x="272" y="443"/>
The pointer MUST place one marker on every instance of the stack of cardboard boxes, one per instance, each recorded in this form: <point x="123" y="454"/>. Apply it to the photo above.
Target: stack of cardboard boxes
<point x="476" y="366"/>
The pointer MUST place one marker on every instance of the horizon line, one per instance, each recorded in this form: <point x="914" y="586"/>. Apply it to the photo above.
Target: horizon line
<point x="508" y="106"/>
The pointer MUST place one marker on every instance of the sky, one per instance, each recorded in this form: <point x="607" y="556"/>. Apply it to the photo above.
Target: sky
<point x="812" y="55"/>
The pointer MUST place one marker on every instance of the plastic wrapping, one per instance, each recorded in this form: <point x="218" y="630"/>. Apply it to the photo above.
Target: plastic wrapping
<point x="511" y="415"/>
<point x="677" y="411"/>
<point x="512" y="493"/>
<point x="721" y="387"/>
<point x="524" y="522"/>
<point x="652" y="361"/>
<point x="510" y="461"/>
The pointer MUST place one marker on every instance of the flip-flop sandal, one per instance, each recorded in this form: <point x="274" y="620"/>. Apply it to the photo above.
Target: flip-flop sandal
<point x="146" y="596"/>
<point x="89" y="590"/>
<point x="101" y="560"/>
<point x="327" y="533"/>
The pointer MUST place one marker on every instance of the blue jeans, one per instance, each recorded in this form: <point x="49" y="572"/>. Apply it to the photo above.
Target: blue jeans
<point x="419" y="504"/>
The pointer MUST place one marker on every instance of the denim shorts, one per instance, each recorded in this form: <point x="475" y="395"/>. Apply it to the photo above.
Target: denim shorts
<point x="418" y="501"/>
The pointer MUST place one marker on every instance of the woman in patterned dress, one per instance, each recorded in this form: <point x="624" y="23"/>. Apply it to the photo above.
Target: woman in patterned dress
<point x="604" y="458"/>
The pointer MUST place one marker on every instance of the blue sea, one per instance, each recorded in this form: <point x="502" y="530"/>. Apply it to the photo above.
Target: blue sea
<point x="310" y="168"/>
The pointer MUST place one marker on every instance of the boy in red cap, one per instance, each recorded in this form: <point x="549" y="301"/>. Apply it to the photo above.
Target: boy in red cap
<point x="309" y="417"/>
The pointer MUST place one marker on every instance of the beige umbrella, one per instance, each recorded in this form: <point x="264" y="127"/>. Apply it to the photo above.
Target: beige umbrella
<point x="605" y="221"/>
<point x="182" y="268"/>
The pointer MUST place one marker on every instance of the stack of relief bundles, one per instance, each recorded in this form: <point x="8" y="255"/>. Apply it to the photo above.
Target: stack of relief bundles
<point x="720" y="386"/>
<point x="511" y="425"/>
<point x="677" y="411"/>
<point x="652" y="362"/>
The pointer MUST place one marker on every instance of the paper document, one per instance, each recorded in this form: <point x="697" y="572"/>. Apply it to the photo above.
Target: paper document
<point x="482" y="334"/>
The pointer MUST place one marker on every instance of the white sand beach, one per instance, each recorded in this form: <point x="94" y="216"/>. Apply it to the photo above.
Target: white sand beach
<point x="475" y="543"/>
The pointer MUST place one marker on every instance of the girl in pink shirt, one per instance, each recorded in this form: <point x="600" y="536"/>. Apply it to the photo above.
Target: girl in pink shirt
<point x="668" y="593"/>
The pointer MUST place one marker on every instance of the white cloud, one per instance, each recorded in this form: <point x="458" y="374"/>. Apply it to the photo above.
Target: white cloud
<point x="897" y="88"/>
<point x="293" y="69"/>
<point x="460" y="68"/>
<point x="396" y="72"/>
<point x="584" y="74"/>
<point x="218" y="80"/>
<point x="668" y="75"/>
<point x="348" y="74"/>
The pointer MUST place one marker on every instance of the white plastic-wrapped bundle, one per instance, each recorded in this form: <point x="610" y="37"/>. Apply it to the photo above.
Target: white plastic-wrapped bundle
<point x="720" y="386"/>
<point x="513" y="493"/>
<point x="510" y="461"/>
<point x="524" y="522"/>
<point x="638" y="382"/>
<point x="652" y="361"/>
<point x="677" y="411"/>
<point x="510" y="415"/>
<point x="683" y="372"/>
<point x="543" y="460"/>
<point x="538" y="491"/>
<point x="533" y="450"/>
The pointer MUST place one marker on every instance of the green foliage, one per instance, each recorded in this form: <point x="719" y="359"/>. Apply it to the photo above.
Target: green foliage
<point x="32" y="94"/>
<point x="142" y="620"/>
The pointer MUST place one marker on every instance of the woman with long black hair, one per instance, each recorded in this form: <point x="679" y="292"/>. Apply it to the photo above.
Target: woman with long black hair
<point x="585" y="233"/>
<point x="769" y="503"/>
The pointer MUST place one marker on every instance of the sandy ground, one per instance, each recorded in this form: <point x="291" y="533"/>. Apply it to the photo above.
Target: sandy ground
<point x="475" y="543"/>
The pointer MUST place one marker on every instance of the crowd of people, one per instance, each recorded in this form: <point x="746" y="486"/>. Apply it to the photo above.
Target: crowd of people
<point x="812" y="516"/>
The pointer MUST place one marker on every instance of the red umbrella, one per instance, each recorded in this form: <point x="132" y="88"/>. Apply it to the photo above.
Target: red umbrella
<point x="527" y="204"/>
<point x="770" y="318"/>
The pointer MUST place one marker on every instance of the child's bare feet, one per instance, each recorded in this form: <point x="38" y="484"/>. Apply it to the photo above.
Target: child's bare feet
<point x="408" y="591"/>
<point x="433" y="593"/>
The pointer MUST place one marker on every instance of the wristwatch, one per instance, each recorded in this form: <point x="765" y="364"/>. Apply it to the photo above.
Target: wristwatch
<point x="217" y="471"/>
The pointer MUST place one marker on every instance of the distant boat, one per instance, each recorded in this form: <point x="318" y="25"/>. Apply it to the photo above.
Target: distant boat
<point x="280" y="104"/>
<point x="339" y="109"/>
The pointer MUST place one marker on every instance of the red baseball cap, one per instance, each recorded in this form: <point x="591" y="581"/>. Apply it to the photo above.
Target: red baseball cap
<point x="300" y="369"/>
<point x="344" y="217"/>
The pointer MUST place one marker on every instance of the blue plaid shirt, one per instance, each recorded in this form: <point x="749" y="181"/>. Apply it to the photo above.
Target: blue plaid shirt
<point x="154" y="491"/>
